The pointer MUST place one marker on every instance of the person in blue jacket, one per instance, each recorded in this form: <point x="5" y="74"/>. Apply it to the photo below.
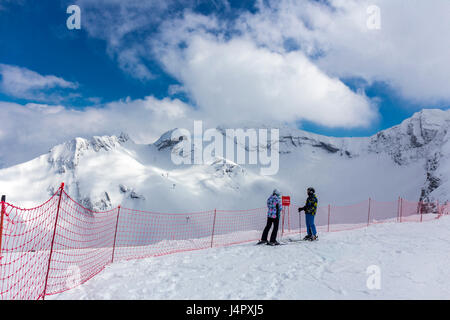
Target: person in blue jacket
<point x="274" y="207"/>
<point x="310" y="209"/>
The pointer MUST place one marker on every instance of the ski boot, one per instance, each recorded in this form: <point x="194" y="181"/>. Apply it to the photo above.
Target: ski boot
<point x="274" y="243"/>
<point x="307" y="237"/>
<point x="262" y="242"/>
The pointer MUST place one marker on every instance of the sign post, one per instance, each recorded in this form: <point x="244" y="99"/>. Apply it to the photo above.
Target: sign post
<point x="285" y="202"/>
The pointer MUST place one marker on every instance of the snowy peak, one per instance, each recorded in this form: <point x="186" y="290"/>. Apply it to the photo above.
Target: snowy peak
<point x="422" y="128"/>
<point x="66" y="156"/>
<point x="166" y="141"/>
<point x="425" y="127"/>
<point x="418" y="137"/>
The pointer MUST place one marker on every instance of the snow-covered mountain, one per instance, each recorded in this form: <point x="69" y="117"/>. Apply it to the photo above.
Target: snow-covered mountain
<point x="409" y="160"/>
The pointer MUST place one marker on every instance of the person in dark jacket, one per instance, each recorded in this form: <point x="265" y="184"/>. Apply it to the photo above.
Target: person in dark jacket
<point x="310" y="209"/>
<point x="274" y="207"/>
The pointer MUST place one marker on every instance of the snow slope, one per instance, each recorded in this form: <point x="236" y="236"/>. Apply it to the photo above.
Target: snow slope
<point x="409" y="257"/>
<point x="411" y="160"/>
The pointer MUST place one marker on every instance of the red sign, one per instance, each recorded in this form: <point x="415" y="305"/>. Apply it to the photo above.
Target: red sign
<point x="285" y="200"/>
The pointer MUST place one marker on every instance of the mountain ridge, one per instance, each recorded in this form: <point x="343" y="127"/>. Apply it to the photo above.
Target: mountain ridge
<point x="143" y="176"/>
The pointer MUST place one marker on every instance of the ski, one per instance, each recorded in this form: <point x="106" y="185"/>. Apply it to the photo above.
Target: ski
<point x="280" y="243"/>
<point x="288" y="241"/>
<point x="296" y="240"/>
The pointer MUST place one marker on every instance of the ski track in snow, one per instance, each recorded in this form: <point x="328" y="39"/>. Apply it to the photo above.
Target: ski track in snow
<point x="413" y="259"/>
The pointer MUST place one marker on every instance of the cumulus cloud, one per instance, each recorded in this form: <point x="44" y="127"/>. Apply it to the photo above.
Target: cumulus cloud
<point x="409" y="52"/>
<point x="124" y="25"/>
<point x="23" y="83"/>
<point x="236" y="80"/>
<point x="228" y="78"/>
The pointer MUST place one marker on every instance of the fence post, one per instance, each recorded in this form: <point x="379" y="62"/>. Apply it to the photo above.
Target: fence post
<point x="368" y="213"/>
<point x="421" y="211"/>
<point x="1" y="222"/>
<point x="214" y="226"/>
<point x="437" y="208"/>
<point x="289" y="218"/>
<point x="401" y="209"/>
<point x="115" y="234"/>
<point x="61" y="190"/>
<point x="329" y="210"/>
<point x="398" y="208"/>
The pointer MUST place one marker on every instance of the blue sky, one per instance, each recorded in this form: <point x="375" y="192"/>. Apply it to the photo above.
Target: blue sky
<point x="221" y="60"/>
<point x="36" y="37"/>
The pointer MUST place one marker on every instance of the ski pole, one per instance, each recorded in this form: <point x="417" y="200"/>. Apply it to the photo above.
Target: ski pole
<point x="300" y="224"/>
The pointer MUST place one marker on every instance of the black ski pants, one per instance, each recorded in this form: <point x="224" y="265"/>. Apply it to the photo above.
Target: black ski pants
<point x="273" y="236"/>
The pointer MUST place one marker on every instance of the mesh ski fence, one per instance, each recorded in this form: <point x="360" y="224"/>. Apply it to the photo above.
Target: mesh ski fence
<point x="61" y="244"/>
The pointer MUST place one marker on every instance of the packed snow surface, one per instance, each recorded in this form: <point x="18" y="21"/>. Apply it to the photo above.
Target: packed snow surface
<point x="412" y="260"/>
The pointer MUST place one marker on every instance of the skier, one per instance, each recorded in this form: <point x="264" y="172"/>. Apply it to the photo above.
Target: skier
<point x="274" y="207"/>
<point x="310" y="209"/>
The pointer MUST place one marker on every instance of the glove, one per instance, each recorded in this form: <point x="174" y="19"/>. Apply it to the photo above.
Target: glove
<point x="300" y="209"/>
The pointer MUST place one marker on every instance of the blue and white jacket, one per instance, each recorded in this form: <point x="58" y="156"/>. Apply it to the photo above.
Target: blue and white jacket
<point x="272" y="206"/>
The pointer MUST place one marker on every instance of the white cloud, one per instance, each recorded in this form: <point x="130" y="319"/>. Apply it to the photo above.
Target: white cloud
<point x="23" y="83"/>
<point x="124" y="25"/>
<point x="129" y="60"/>
<point x="235" y="80"/>
<point x="227" y="79"/>
<point x="410" y="52"/>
